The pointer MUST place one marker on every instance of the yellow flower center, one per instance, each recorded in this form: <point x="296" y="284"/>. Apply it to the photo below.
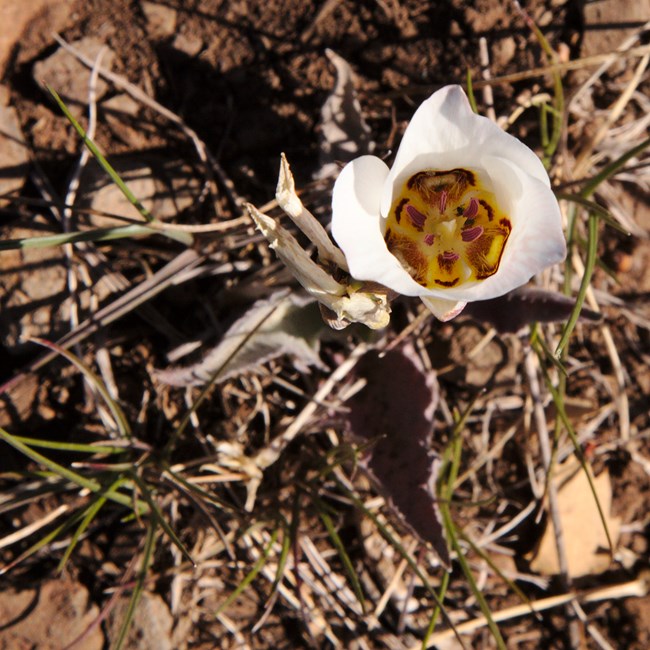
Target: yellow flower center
<point x="446" y="228"/>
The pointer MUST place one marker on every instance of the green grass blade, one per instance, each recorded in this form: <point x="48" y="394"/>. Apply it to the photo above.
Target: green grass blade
<point x="470" y="92"/>
<point x="590" y="264"/>
<point x="120" y="419"/>
<point x="385" y="533"/>
<point x="609" y="170"/>
<point x="592" y="242"/>
<point x="536" y="335"/>
<point x="488" y="560"/>
<point x="106" y="166"/>
<point x="95" y="235"/>
<point x="433" y="621"/>
<point x="169" y="531"/>
<point x="147" y="556"/>
<point x="552" y="140"/>
<point x="447" y="484"/>
<point x="251" y="575"/>
<point x="288" y="539"/>
<point x="71" y="446"/>
<point x="343" y="554"/>
<point x="448" y="474"/>
<point x="91" y="511"/>
<point x="467" y="572"/>
<point x="182" y="237"/>
<point x="90" y="484"/>
<point x="183" y="484"/>
<point x="602" y="213"/>
<point x="543" y="127"/>
<point x="557" y="397"/>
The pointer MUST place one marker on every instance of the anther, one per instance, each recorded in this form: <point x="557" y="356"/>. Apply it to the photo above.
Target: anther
<point x="417" y="218"/>
<point x="472" y="209"/>
<point x="471" y="234"/>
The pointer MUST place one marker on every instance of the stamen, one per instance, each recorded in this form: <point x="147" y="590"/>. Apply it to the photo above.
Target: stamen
<point x="472" y="209"/>
<point x="446" y="228"/>
<point x="442" y="201"/>
<point x="471" y="234"/>
<point x="417" y="218"/>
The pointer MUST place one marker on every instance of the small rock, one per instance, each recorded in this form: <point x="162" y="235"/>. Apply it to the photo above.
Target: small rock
<point x="49" y="617"/>
<point x="609" y="22"/>
<point x="18" y="403"/>
<point x="164" y="187"/>
<point x="484" y="16"/>
<point x="161" y="20"/>
<point x="503" y="51"/>
<point x="14" y="158"/>
<point x="188" y="44"/>
<point x="121" y="105"/>
<point x="33" y="289"/>
<point x="19" y="18"/>
<point x="121" y="114"/>
<point x="151" y="626"/>
<point x="492" y="360"/>
<point x="34" y="298"/>
<point x="69" y="77"/>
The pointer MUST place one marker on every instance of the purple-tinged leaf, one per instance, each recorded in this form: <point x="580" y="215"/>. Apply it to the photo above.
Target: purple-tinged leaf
<point x="526" y="305"/>
<point x="393" y="416"/>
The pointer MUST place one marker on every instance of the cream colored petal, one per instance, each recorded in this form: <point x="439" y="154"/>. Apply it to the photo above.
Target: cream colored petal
<point x="537" y="239"/>
<point x="358" y="229"/>
<point x="445" y="133"/>
<point x="443" y="310"/>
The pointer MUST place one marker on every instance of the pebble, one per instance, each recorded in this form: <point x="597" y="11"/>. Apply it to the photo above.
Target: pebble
<point x="14" y="157"/>
<point x="69" y="77"/>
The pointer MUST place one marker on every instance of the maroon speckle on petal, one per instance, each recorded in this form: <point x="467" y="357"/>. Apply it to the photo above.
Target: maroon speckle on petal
<point x="471" y="234"/>
<point x="472" y="209"/>
<point x="429" y="239"/>
<point x="398" y="209"/>
<point x="417" y="218"/>
<point x="488" y="209"/>
<point x="450" y="256"/>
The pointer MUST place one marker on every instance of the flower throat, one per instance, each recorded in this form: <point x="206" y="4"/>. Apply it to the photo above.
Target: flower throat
<point x="446" y="228"/>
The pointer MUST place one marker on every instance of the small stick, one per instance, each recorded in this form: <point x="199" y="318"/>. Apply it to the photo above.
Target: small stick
<point x="269" y="455"/>
<point x="488" y="96"/>
<point x="634" y="589"/>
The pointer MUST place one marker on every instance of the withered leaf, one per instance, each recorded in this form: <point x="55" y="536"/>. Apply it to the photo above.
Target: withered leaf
<point x="283" y="324"/>
<point x="344" y="132"/>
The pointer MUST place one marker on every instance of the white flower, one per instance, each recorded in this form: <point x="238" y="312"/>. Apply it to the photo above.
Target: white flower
<point x="466" y="212"/>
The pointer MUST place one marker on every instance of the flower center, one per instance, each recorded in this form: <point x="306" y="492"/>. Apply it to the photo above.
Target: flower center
<point x="446" y="228"/>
